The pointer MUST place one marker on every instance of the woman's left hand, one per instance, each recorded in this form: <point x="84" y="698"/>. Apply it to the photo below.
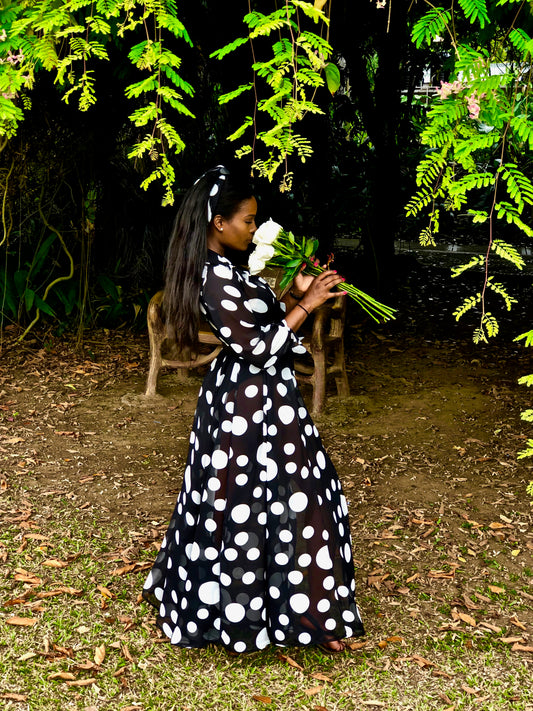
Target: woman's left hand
<point x="302" y="282"/>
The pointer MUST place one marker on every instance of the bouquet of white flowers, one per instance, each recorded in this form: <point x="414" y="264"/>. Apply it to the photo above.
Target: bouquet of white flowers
<point x="276" y="247"/>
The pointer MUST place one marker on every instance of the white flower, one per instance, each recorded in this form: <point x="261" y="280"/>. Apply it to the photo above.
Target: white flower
<point x="267" y="232"/>
<point x="259" y="257"/>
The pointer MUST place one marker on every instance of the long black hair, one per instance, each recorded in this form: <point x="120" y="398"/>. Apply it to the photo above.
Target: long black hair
<point x="187" y="251"/>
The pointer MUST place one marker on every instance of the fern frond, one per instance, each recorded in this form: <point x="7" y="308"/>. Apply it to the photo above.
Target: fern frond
<point x="499" y="289"/>
<point x="479" y="336"/>
<point x="141" y="87"/>
<point x="528" y="452"/>
<point x="469" y="303"/>
<point x="418" y="202"/>
<point x="242" y="128"/>
<point x="433" y="23"/>
<point x="523" y="127"/>
<point x="527" y="415"/>
<point x="512" y="216"/>
<point x="490" y="323"/>
<point x="508" y="252"/>
<point x="428" y="170"/>
<point x="145" y="114"/>
<point x="228" y="48"/>
<point x="475" y="10"/>
<point x="224" y="98"/>
<point x="426" y="237"/>
<point x="478" y="260"/>
<point x="528" y="336"/>
<point x="519" y="186"/>
<point x="171" y="135"/>
<point x="311" y="11"/>
<point x="478" y="216"/>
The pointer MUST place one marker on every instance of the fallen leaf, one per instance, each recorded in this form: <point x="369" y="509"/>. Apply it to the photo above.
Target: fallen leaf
<point x="81" y="682"/>
<point x="21" y="621"/>
<point x="54" y="563"/>
<point x="99" y="654"/>
<point x="25" y="657"/>
<point x="14" y="697"/>
<point x="469" y="690"/>
<point x="262" y="699"/>
<point x="313" y="690"/>
<point x="83" y="629"/>
<point x="467" y="618"/>
<point x="491" y="627"/>
<point x="512" y="640"/>
<point x="356" y="645"/>
<point x="105" y="592"/>
<point x="521" y="648"/>
<point x="321" y="677"/>
<point x="64" y="676"/>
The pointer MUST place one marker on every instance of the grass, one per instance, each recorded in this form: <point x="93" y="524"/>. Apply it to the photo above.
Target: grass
<point x="94" y="645"/>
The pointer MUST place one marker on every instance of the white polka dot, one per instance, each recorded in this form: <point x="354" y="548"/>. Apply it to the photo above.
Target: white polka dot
<point x="229" y="305"/>
<point x="241" y="539"/>
<point x="258" y="417"/>
<point x="230" y="554"/>
<point x="273" y="592"/>
<point x="323" y="558"/>
<point x="241" y="479"/>
<point x="286" y="414"/>
<point x="192" y="551"/>
<point x="209" y="593"/>
<point x="262" y="640"/>
<point x="279" y="635"/>
<point x="240" y="513"/>
<point x="320" y="459"/>
<point x="279" y="339"/>
<point x="149" y="581"/>
<point x="213" y="484"/>
<point x="272" y="430"/>
<point x="298" y="501"/>
<point x="290" y="467"/>
<point x="285" y="536"/>
<point x="262" y="518"/>
<point x="219" y="459"/>
<point x="251" y="391"/>
<point x="210" y="525"/>
<point x="232" y="291"/>
<point x="330" y="624"/>
<point x="225" y="332"/>
<point x="175" y="638"/>
<point x="289" y="448"/>
<point x="257" y="305"/>
<point x="192" y="627"/>
<point x="304" y="638"/>
<point x="329" y="582"/>
<point x="282" y="389"/>
<point x="343" y="592"/>
<point x="239" y="647"/>
<point x="248" y="578"/>
<point x="304" y="560"/>
<point x="256" y="603"/>
<point x="257" y="492"/>
<point x="225" y="579"/>
<point x="299" y="603"/>
<point x="283" y="620"/>
<point x="286" y="374"/>
<point x="281" y="558"/>
<point x="259" y="348"/>
<point x="220" y="504"/>
<point x="348" y="616"/>
<point x="237" y="347"/>
<point x="347" y="551"/>
<point x="295" y="577"/>
<point x="277" y="508"/>
<point x="211" y="553"/>
<point x="202" y="613"/>
<point x="323" y="605"/>
<point x="253" y="554"/>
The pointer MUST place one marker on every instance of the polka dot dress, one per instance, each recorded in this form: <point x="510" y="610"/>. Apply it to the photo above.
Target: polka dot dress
<point x="258" y="549"/>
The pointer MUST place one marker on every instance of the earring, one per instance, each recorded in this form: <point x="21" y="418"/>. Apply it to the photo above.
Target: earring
<point x="221" y="229"/>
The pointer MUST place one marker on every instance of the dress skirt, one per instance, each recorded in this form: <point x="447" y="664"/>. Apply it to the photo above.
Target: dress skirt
<point x="258" y="550"/>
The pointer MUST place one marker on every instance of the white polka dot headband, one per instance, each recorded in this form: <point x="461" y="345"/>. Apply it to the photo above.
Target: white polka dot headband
<point x="214" y="193"/>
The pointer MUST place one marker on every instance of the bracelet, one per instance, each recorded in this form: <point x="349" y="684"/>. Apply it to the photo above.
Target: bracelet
<point x="296" y="298"/>
<point x="303" y="307"/>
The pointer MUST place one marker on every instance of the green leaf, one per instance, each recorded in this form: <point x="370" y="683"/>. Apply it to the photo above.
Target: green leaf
<point x="333" y="77"/>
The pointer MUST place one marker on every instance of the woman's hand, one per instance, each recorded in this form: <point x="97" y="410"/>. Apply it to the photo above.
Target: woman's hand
<point x="302" y="282"/>
<point x="321" y="288"/>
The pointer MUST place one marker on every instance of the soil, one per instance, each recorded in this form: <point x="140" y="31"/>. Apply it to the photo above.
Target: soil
<point x="426" y="447"/>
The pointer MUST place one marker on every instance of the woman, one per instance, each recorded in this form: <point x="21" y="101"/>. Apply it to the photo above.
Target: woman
<point x="258" y="549"/>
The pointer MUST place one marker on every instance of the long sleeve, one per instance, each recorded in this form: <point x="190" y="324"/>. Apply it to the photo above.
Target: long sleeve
<point x="245" y="315"/>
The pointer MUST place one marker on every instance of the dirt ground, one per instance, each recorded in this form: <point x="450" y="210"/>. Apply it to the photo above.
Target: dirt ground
<point x="425" y="447"/>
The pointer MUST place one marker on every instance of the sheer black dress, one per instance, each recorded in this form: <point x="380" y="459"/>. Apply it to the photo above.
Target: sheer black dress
<point x="258" y="549"/>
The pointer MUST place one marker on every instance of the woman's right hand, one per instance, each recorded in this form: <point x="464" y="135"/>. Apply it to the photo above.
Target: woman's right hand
<point x="322" y="288"/>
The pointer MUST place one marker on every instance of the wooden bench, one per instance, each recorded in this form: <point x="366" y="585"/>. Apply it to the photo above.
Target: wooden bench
<point x="324" y="341"/>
